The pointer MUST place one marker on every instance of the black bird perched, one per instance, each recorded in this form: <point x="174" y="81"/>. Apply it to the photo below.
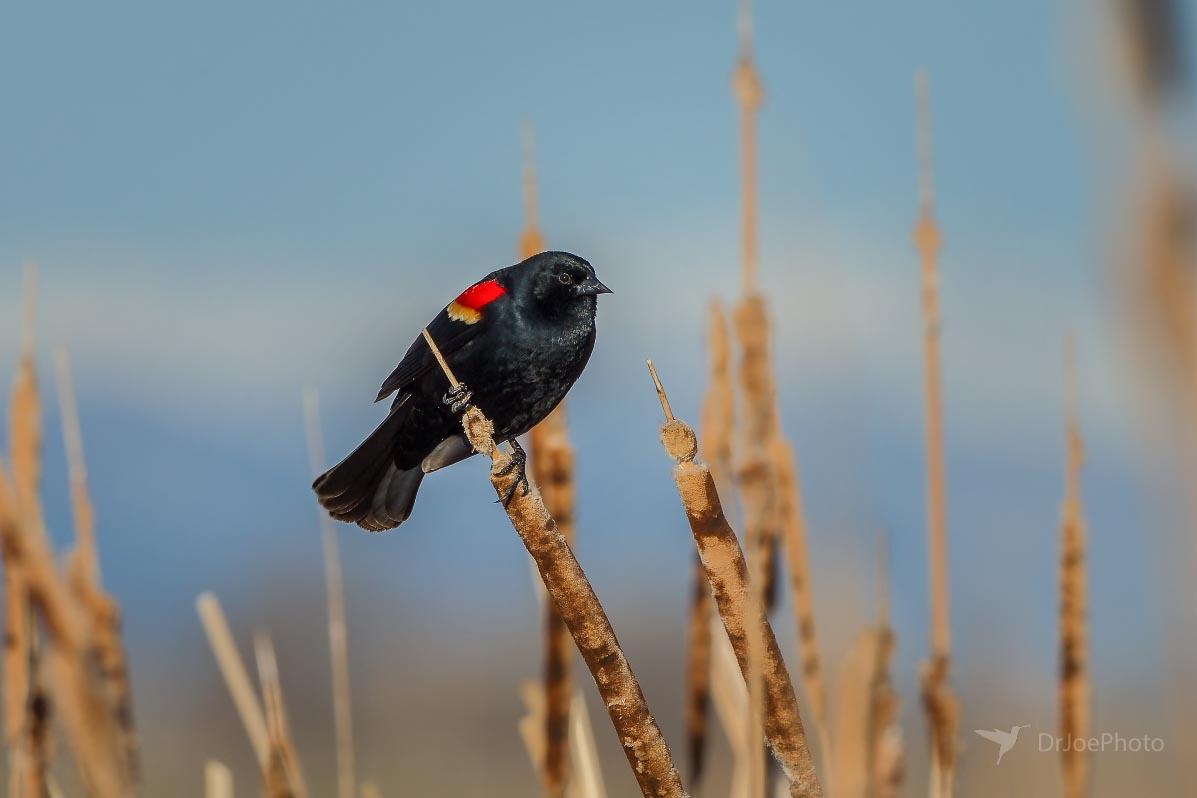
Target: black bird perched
<point x="519" y="339"/>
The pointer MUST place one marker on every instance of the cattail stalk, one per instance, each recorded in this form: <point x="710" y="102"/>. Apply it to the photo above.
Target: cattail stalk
<point x="283" y="777"/>
<point x="793" y="527"/>
<point x="718" y="421"/>
<point x="334" y="592"/>
<point x="939" y="703"/>
<point x="886" y="767"/>
<point x="86" y="716"/>
<point x="1074" y="676"/>
<point x="572" y="595"/>
<point x="730" y="697"/>
<point x="24" y="434"/>
<point x="236" y="678"/>
<point x="68" y="650"/>
<point x="728" y="574"/>
<point x="552" y="467"/>
<point x="84" y="573"/>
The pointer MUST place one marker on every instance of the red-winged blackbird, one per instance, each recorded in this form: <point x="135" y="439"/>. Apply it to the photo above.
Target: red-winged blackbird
<point x="518" y="339"/>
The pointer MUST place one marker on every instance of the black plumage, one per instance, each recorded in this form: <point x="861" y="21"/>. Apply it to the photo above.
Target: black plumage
<point x="518" y="339"/>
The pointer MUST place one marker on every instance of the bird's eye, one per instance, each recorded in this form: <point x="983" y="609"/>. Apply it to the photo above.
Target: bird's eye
<point x="566" y="278"/>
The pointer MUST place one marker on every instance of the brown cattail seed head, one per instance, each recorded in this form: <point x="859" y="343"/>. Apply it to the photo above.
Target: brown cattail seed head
<point x="679" y="441"/>
<point x="479" y="430"/>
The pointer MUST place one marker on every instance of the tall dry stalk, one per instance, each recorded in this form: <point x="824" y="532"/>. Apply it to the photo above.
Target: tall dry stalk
<point x="718" y="424"/>
<point x="728" y="574"/>
<point x="236" y="678"/>
<point x="283" y="777"/>
<point x="1074" y="676"/>
<point x="551" y="458"/>
<point x="334" y="593"/>
<point x="26" y="774"/>
<point x="87" y="717"/>
<point x="84" y="573"/>
<point x="572" y="595"/>
<point x="752" y="329"/>
<point x="793" y="527"/>
<point x="886" y="765"/>
<point x="730" y="697"/>
<point x="939" y="703"/>
<point x="67" y="653"/>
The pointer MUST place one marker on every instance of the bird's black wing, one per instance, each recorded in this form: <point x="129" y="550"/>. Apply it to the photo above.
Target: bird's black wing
<point x="449" y="334"/>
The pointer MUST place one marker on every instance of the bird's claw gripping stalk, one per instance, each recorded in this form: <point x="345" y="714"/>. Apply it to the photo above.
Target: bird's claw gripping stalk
<point x="458" y="399"/>
<point x="519" y="461"/>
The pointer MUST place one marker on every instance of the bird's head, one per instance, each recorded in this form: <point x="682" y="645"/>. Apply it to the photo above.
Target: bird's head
<point x="559" y="282"/>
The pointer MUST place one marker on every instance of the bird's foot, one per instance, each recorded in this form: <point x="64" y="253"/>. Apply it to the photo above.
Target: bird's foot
<point x="458" y="399"/>
<point x="518" y="462"/>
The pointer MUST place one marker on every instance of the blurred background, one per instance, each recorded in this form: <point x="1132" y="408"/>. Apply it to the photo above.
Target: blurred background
<point x="229" y="203"/>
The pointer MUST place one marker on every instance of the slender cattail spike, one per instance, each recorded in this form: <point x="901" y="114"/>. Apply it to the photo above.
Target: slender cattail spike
<point x="746" y="87"/>
<point x="573" y="597"/>
<point x="939" y="703"/>
<point x="334" y="592"/>
<point x="743" y="618"/>
<point x="1074" y="655"/>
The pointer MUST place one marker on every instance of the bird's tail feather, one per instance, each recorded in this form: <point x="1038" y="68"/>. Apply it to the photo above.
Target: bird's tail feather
<point x="366" y="488"/>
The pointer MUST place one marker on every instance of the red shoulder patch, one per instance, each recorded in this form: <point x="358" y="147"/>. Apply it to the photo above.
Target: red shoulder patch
<point x="469" y="304"/>
<point x="481" y="294"/>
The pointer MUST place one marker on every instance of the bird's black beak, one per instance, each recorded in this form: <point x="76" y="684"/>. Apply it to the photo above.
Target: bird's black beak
<point x="592" y="287"/>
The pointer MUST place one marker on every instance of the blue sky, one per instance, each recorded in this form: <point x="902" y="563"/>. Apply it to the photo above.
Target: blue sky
<point x="231" y="202"/>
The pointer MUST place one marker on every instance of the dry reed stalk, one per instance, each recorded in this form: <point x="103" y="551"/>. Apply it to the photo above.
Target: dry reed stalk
<point x="886" y="768"/>
<point x="588" y="776"/>
<point x="851" y="754"/>
<point x="586" y="780"/>
<point x="283" y="776"/>
<point x="24" y="430"/>
<point x="727" y="571"/>
<point x="868" y="741"/>
<point x="698" y="670"/>
<point x="754" y="677"/>
<point x="757" y="479"/>
<point x="552" y="467"/>
<point x="1074" y="677"/>
<point x="730" y="697"/>
<point x="218" y="780"/>
<point x="573" y="597"/>
<point x="334" y="592"/>
<point x="939" y="703"/>
<point x="84" y="574"/>
<point x="236" y="678"/>
<point x="718" y="423"/>
<point x="87" y="718"/>
<point x="793" y="526"/>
